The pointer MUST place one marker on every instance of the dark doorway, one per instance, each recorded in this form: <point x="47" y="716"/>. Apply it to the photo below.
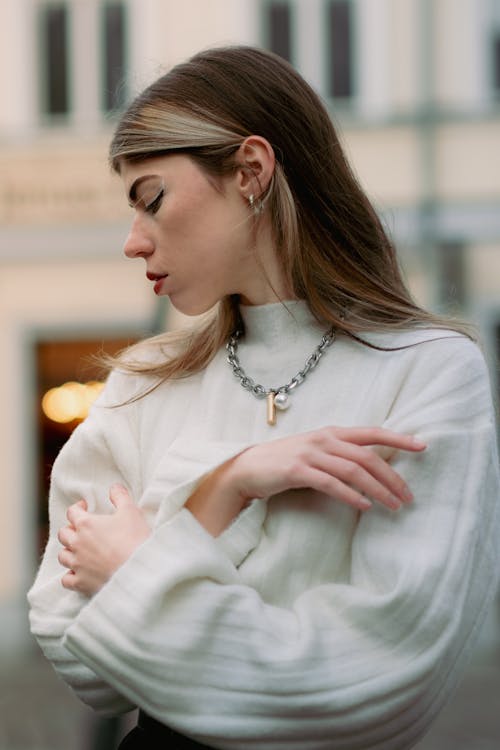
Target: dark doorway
<point x="58" y="362"/>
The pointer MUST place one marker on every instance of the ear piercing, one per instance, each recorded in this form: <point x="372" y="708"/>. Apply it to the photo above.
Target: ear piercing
<point x="255" y="205"/>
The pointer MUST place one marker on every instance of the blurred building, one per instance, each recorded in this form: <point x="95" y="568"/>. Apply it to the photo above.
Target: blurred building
<point x="414" y="86"/>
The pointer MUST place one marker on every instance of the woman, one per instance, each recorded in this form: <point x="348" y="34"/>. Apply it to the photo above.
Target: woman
<point x="263" y="576"/>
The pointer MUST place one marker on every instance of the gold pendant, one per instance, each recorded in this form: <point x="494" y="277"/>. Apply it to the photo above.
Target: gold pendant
<point x="271" y="409"/>
<point x="276" y="400"/>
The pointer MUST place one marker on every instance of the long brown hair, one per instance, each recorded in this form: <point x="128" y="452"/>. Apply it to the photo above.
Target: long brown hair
<point x="332" y="246"/>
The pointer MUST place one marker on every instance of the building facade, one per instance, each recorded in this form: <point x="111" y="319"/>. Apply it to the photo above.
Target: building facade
<point x="413" y="85"/>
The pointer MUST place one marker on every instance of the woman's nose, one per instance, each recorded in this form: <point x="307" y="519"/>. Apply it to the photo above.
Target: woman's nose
<point x="138" y="244"/>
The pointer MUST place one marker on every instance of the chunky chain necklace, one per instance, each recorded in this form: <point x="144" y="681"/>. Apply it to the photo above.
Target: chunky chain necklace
<point x="277" y="398"/>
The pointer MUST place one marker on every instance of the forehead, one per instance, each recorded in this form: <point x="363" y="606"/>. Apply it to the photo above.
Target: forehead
<point x="136" y="171"/>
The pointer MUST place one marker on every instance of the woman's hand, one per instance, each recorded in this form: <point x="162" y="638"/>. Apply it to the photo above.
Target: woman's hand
<point x="95" y="545"/>
<point x="333" y="460"/>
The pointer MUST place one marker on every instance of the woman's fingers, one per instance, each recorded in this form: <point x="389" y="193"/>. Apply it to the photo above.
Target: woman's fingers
<point x="66" y="535"/>
<point x="324" y="482"/>
<point x="119" y="496"/>
<point x="66" y="558"/>
<point x="356" y="477"/>
<point x="378" y="436"/>
<point x="352" y="472"/>
<point x="76" y="512"/>
<point x="342" y="453"/>
<point x="375" y="467"/>
<point x="69" y="581"/>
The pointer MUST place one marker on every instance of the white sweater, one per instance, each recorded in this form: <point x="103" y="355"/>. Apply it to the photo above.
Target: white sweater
<point x="305" y="625"/>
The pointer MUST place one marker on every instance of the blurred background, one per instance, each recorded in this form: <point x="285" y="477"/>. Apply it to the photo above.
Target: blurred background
<point x="413" y="86"/>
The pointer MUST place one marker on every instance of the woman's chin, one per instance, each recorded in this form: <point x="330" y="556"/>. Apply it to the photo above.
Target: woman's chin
<point x="192" y="307"/>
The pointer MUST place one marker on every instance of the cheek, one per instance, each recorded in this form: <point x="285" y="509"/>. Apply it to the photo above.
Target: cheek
<point x="232" y="229"/>
<point x="206" y="230"/>
<point x="189" y="228"/>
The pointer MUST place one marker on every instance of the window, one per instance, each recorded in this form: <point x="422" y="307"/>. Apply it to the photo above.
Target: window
<point x="55" y="60"/>
<point x="114" y="56"/>
<point x="339" y="24"/>
<point x="496" y="63"/>
<point x="492" y="44"/>
<point x="83" y="56"/>
<point x="279" y="29"/>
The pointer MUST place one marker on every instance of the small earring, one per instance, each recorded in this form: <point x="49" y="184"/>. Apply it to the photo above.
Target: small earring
<point x="255" y="205"/>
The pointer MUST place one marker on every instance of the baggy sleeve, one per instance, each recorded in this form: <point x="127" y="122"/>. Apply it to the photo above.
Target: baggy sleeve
<point x="104" y="450"/>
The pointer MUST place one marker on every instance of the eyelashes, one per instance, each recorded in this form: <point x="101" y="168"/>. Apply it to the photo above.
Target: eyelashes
<point x="153" y="206"/>
<point x="147" y="197"/>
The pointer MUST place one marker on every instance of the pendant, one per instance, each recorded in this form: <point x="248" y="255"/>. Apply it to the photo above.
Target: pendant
<point x="271" y="409"/>
<point x="276" y="401"/>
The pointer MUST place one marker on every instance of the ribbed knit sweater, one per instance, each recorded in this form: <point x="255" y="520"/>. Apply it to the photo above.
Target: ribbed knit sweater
<point x="306" y="625"/>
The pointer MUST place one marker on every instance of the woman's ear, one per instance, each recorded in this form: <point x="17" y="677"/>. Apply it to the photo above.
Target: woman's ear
<point x="256" y="161"/>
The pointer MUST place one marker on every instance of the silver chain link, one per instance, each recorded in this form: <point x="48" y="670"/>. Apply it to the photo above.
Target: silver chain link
<point x="261" y="391"/>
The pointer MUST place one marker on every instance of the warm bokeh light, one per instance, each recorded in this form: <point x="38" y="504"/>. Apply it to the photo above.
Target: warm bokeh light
<point x="70" y="401"/>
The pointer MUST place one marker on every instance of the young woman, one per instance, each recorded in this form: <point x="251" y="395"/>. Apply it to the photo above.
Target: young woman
<point x="278" y="529"/>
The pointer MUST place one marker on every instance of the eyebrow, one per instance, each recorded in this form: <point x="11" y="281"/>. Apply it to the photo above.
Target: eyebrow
<point x="132" y="193"/>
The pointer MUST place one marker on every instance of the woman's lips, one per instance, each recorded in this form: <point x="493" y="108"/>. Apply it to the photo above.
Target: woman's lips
<point x="158" y="279"/>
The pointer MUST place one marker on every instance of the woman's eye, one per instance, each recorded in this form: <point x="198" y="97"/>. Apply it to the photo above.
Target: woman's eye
<point x="154" y="205"/>
<point x="146" y="194"/>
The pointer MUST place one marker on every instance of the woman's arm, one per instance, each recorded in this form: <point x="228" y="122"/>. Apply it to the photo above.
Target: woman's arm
<point x="362" y="663"/>
<point x="329" y="460"/>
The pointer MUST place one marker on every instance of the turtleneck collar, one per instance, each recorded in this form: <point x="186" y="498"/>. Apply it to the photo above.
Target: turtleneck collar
<point x="277" y="322"/>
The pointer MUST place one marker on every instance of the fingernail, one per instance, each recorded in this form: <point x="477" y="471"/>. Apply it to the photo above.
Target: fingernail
<point x="407" y="495"/>
<point x="365" y="504"/>
<point x="418" y="443"/>
<point x="395" y="504"/>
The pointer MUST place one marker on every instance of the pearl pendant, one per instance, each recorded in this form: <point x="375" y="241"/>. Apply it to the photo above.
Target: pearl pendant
<point x="281" y="401"/>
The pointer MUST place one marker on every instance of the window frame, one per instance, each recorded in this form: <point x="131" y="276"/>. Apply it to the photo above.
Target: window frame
<point x="266" y="27"/>
<point x="347" y="101"/>
<point x="119" y="95"/>
<point x="42" y="18"/>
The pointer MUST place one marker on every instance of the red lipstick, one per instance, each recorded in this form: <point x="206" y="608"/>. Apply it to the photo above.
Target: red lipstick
<point x="158" y="279"/>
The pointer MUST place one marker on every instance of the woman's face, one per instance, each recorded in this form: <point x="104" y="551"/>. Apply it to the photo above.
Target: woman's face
<point x="196" y="237"/>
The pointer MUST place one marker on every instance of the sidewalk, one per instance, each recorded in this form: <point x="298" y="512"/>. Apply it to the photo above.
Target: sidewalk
<point x="38" y="712"/>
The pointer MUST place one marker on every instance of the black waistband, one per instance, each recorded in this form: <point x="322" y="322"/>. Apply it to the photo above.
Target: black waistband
<point x="172" y="739"/>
